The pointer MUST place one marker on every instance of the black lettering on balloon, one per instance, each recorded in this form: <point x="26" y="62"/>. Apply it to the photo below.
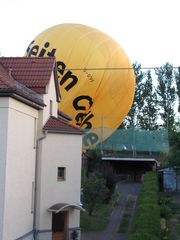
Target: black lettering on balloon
<point x="33" y="51"/>
<point x="67" y="77"/>
<point x="90" y="139"/>
<point x="76" y="101"/>
<point x="52" y="53"/>
<point x="29" y="47"/>
<point x="61" y="67"/>
<point x="79" y="118"/>
<point x="43" y="50"/>
<point x="86" y="122"/>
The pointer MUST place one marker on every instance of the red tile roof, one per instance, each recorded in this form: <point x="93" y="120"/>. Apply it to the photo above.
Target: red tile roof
<point x="35" y="73"/>
<point x="5" y="80"/>
<point x="61" y="126"/>
<point x="10" y="87"/>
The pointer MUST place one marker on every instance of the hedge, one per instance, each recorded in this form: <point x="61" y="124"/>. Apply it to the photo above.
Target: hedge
<point x="143" y="236"/>
<point x="147" y="218"/>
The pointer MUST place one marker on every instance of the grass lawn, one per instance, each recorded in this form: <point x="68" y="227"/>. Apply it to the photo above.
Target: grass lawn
<point x="99" y="219"/>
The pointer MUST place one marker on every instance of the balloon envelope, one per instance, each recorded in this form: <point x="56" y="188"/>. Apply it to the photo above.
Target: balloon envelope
<point x="95" y="76"/>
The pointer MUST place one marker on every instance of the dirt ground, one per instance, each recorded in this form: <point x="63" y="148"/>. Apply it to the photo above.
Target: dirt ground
<point x="110" y="233"/>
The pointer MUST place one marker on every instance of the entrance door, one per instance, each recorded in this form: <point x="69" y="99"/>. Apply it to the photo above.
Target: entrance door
<point x="59" y="226"/>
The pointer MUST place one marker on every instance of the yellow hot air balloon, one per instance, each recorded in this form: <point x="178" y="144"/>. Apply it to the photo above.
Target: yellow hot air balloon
<point x="96" y="78"/>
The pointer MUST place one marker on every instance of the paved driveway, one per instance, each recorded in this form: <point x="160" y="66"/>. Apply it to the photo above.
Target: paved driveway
<point x="110" y="233"/>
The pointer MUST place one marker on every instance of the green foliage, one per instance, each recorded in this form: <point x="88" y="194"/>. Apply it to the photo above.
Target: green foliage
<point x="166" y="94"/>
<point x="170" y="211"/>
<point x="93" y="159"/>
<point x="115" y="198"/>
<point x="174" y="153"/>
<point x="177" y="77"/>
<point x="147" y="218"/>
<point x="154" y="97"/>
<point x="165" y="212"/>
<point x="138" y="99"/>
<point x="143" y="236"/>
<point x="147" y="117"/>
<point x="165" y="206"/>
<point x="98" y="221"/>
<point x="94" y="191"/>
<point x="165" y="199"/>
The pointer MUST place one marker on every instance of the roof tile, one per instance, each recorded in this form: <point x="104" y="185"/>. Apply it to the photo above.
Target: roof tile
<point x="32" y="72"/>
<point x="8" y="85"/>
<point x="60" y="125"/>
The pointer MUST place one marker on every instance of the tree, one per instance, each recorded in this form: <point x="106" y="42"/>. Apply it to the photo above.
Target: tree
<point x="174" y="153"/>
<point x="93" y="159"/>
<point x="147" y="118"/>
<point x="131" y="119"/>
<point x="177" y="77"/>
<point x="166" y="94"/>
<point x="94" y="191"/>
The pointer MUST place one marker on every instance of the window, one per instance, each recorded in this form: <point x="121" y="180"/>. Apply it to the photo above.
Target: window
<point x="61" y="173"/>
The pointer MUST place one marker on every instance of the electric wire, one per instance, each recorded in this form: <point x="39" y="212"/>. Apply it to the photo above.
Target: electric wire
<point x="114" y="68"/>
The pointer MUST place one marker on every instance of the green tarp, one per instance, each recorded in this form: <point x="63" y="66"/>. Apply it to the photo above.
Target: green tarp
<point x="133" y="139"/>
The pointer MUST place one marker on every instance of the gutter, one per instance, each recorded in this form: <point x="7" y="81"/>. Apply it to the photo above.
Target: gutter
<point x="66" y="132"/>
<point x="36" y="184"/>
<point x="22" y="99"/>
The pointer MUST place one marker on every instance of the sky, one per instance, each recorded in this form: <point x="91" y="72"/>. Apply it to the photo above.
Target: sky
<point x="147" y="30"/>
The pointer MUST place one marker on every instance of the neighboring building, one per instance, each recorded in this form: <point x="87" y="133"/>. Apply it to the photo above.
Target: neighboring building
<point x="168" y="179"/>
<point x="131" y="168"/>
<point x="40" y="154"/>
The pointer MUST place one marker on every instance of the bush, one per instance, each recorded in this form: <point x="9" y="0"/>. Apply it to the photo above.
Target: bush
<point x="165" y="212"/>
<point x="115" y="198"/>
<point x="94" y="191"/>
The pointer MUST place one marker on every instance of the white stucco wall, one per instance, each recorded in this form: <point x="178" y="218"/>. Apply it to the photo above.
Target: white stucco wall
<point x="51" y="95"/>
<point x="3" y="154"/>
<point x="20" y="164"/>
<point x="60" y="150"/>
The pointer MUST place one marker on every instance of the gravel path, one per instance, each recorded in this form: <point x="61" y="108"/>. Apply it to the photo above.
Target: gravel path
<point x="110" y="233"/>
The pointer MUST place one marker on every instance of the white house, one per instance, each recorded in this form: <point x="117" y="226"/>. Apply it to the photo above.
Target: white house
<point x="40" y="154"/>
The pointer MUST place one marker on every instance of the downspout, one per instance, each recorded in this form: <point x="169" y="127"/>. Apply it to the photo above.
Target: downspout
<point x="36" y="183"/>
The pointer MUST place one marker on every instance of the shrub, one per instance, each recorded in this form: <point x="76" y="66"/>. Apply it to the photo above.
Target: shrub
<point x="165" y="212"/>
<point x="94" y="191"/>
<point x="115" y="198"/>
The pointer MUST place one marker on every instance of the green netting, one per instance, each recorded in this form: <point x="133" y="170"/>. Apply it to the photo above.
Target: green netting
<point x="133" y="139"/>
